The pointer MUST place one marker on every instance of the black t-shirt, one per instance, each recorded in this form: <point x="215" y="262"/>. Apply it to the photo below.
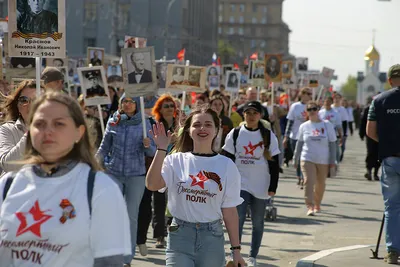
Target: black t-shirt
<point x="385" y="110"/>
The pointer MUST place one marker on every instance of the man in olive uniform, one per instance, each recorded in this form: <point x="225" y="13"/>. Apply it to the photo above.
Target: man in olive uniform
<point x="383" y="126"/>
<point x="34" y="19"/>
<point x="95" y="89"/>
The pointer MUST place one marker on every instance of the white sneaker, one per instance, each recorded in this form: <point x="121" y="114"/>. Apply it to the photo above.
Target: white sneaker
<point x="310" y="212"/>
<point x="251" y="262"/>
<point x="143" y="249"/>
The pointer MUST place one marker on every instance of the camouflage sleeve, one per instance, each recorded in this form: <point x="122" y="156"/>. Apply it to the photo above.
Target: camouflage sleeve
<point x="371" y="112"/>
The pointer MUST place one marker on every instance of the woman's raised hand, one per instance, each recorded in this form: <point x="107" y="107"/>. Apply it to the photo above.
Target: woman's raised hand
<point x="161" y="138"/>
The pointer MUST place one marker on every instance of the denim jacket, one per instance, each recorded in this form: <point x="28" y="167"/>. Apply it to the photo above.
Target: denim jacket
<point x="122" y="150"/>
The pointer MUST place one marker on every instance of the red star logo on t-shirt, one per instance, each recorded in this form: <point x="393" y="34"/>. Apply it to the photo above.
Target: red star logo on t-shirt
<point x="249" y="150"/>
<point x="316" y="132"/>
<point x="32" y="220"/>
<point x="198" y="180"/>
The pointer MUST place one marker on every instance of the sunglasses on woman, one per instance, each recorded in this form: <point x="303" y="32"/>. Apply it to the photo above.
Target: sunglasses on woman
<point x="24" y="100"/>
<point x="312" y="109"/>
<point x="169" y="106"/>
<point x="126" y="101"/>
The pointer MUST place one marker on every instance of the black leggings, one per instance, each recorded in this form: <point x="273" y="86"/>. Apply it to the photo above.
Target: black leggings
<point x="351" y="127"/>
<point x="146" y="215"/>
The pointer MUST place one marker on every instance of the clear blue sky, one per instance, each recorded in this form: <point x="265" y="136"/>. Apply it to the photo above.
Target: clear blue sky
<point x="336" y="33"/>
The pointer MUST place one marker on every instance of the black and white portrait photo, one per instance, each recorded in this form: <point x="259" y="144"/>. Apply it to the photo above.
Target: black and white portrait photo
<point x="37" y="28"/>
<point x="95" y="56"/>
<point x="302" y="63"/>
<point x="273" y="67"/>
<point x="258" y="70"/>
<point x="141" y="71"/>
<point x="232" y="83"/>
<point x="178" y="75"/>
<point x="287" y="67"/>
<point x="22" y="63"/>
<point x="194" y="77"/>
<point x="37" y="16"/>
<point x="56" y="62"/>
<point x="213" y="82"/>
<point x="114" y="73"/>
<point x="94" y="86"/>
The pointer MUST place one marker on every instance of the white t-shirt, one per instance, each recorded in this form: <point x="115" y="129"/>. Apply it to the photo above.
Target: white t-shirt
<point x="199" y="187"/>
<point x="316" y="138"/>
<point x="31" y="228"/>
<point x="350" y="114"/>
<point x="298" y="114"/>
<point x="342" y="112"/>
<point x="250" y="160"/>
<point x="332" y="116"/>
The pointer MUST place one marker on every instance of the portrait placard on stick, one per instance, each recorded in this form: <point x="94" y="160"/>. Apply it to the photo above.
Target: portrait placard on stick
<point x="287" y="68"/>
<point x="232" y="83"/>
<point x="273" y="68"/>
<point x="56" y="62"/>
<point x="213" y="77"/>
<point x="301" y="64"/>
<point x="94" y="86"/>
<point x="186" y="78"/>
<point x="95" y="56"/>
<point x="37" y="28"/>
<point x="135" y="42"/>
<point x="139" y="71"/>
<point x="257" y="73"/>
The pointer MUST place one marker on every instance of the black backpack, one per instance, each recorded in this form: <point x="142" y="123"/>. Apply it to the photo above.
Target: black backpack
<point x="90" y="186"/>
<point x="263" y="131"/>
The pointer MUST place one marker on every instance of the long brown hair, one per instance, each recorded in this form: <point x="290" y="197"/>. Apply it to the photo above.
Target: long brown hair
<point x="82" y="151"/>
<point x="10" y="106"/>
<point x="184" y="143"/>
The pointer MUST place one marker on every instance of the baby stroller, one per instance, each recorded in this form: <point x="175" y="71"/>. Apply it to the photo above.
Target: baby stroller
<point x="271" y="212"/>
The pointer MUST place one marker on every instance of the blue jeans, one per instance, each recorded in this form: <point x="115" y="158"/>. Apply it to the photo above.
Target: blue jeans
<point x="257" y="207"/>
<point x="390" y="182"/>
<point x="195" y="244"/>
<point x="133" y="189"/>
<point x="298" y="169"/>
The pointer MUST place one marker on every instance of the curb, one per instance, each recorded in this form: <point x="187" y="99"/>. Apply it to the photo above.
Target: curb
<point x="310" y="260"/>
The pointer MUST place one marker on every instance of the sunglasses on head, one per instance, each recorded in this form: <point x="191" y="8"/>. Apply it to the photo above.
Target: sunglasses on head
<point x="312" y="109"/>
<point x="169" y="106"/>
<point x="24" y="100"/>
<point x="308" y="93"/>
<point x="125" y="101"/>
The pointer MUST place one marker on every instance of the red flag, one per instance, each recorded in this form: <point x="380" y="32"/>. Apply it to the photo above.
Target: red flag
<point x="181" y="55"/>
<point x="254" y="56"/>
<point x="218" y="61"/>
<point x="246" y="61"/>
<point x="236" y="66"/>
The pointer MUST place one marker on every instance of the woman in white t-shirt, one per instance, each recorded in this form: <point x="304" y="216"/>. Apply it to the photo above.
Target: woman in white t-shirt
<point x="59" y="209"/>
<point x="256" y="154"/>
<point x="203" y="188"/>
<point x="296" y="116"/>
<point x="350" y="115"/>
<point x="316" y="152"/>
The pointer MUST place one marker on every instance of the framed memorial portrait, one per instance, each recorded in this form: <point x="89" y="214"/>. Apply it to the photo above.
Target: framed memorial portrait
<point x="37" y="28"/>
<point x="95" y="56"/>
<point x="114" y="73"/>
<point x="273" y="68"/>
<point x="188" y="78"/>
<point x="56" y="62"/>
<point x="94" y="86"/>
<point x="213" y="77"/>
<point x="232" y="83"/>
<point x="131" y="42"/>
<point x="139" y="71"/>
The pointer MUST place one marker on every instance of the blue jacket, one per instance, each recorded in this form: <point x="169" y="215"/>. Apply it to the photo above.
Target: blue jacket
<point x="122" y="148"/>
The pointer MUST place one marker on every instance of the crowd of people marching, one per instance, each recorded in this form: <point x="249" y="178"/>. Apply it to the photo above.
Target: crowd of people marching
<point x="196" y="170"/>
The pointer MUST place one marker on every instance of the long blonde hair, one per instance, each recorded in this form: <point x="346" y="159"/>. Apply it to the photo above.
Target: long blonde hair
<point x="83" y="151"/>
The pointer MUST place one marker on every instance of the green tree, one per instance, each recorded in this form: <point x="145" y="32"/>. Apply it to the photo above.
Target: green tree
<point x="225" y="51"/>
<point x="349" y="89"/>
